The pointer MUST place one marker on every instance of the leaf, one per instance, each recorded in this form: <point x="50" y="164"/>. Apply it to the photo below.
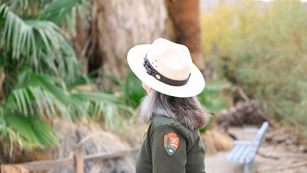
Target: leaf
<point x="31" y="129"/>
<point x="58" y="11"/>
<point x="38" y="45"/>
<point x="133" y="90"/>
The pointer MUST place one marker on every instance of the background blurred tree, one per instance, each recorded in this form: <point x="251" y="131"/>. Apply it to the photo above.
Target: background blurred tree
<point x="39" y="75"/>
<point x="116" y="26"/>
<point x="185" y="16"/>
<point x="263" y="49"/>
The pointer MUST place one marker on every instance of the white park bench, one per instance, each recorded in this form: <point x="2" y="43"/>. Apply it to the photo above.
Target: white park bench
<point x="244" y="152"/>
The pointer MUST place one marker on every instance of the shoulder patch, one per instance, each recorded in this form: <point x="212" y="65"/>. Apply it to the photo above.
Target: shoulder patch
<point x="171" y="143"/>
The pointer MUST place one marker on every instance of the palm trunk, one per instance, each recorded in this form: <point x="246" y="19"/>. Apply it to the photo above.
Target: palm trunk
<point x="118" y="25"/>
<point x="185" y="15"/>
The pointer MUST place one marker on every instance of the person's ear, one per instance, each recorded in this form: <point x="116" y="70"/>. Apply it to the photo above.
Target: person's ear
<point x="149" y="90"/>
<point x="146" y="88"/>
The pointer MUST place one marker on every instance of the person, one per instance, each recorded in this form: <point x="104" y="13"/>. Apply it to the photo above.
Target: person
<point x="172" y="143"/>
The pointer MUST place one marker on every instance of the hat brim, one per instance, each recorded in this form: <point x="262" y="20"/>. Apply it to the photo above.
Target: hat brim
<point x="193" y="87"/>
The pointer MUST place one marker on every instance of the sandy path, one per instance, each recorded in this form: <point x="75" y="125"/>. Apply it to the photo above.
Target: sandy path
<point x="217" y="163"/>
<point x="277" y="158"/>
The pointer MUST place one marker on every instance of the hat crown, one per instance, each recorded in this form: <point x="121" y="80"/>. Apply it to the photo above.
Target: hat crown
<point x="170" y="59"/>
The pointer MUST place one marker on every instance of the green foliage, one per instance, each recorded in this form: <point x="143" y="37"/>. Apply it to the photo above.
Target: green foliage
<point x="265" y="54"/>
<point x="208" y="125"/>
<point x="40" y="73"/>
<point x="100" y="105"/>
<point x="66" y="12"/>
<point x="212" y="97"/>
<point x="47" y="97"/>
<point x="24" y="129"/>
<point x="39" y="94"/>
<point x="59" y="11"/>
<point x="29" y="8"/>
<point x="29" y="131"/>
<point x="133" y="90"/>
<point x="213" y="100"/>
<point x="36" y="44"/>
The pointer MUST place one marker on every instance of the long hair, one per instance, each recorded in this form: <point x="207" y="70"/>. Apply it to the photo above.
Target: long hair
<point x="188" y="111"/>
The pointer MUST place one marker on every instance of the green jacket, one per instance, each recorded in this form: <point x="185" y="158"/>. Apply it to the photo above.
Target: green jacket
<point x="170" y="147"/>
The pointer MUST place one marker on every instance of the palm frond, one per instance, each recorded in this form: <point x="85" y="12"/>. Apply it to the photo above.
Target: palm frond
<point x="37" y="44"/>
<point x="109" y="116"/>
<point x="40" y="94"/>
<point x="59" y="11"/>
<point x="29" y="131"/>
<point x="25" y="7"/>
<point x="38" y="97"/>
<point x="47" y="96"/>
<point x="41" y="67"/>
<point x="103" y="106"/>
<point x="18" y="129"/>
<point x="32" y="100"/>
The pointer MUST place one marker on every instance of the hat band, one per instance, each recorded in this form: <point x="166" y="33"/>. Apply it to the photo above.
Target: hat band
<point x="153" y="72"/>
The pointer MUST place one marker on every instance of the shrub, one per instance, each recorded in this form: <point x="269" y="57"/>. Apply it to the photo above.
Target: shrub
<point x="263" y="49"/>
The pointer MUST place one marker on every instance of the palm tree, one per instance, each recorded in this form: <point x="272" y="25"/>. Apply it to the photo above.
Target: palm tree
<point x="185" y="15"/>
<point x="39" y="69"/>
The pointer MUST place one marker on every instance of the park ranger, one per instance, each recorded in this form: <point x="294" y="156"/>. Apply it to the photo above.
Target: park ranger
<point x="172" y="143"/>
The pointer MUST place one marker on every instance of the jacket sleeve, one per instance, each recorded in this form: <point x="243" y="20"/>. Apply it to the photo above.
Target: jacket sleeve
<point x="163" y="161"/>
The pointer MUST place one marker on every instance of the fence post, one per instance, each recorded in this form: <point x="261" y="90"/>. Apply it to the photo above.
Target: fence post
<point x="78" y="160"/>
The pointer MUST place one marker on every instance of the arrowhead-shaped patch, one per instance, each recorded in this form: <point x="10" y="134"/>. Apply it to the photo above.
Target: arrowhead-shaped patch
<point x="171" y="143"/>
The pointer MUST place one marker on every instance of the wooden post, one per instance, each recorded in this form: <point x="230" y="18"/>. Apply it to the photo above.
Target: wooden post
<point x="78" y="161"/>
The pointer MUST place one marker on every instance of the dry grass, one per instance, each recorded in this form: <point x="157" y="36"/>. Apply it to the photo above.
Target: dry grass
<point x="133" y="132"/>
<point x="216" y="140"/>
<point x="92" y="139"/>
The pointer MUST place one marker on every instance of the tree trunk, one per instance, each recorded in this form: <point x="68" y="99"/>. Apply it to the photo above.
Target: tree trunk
<point x="119" y="25"/>
<point x="185" y="15"/>
<point x="116" y="26"/>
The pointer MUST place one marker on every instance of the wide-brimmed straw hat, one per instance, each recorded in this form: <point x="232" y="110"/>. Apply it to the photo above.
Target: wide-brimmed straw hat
<point x="166" y="67"/>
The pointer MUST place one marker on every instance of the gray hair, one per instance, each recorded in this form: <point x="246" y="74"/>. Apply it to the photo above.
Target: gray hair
<point x="188" y="111"/>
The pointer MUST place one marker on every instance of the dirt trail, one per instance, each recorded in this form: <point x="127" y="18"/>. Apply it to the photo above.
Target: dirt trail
<point x="271" y="158"/>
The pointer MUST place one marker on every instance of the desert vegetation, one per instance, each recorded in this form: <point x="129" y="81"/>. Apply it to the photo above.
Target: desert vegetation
<point x="63" y="71"/>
